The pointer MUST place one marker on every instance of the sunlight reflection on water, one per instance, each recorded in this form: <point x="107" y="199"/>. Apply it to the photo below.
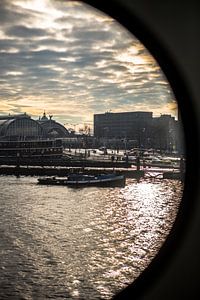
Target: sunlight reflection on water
<point x="80" y="244"/>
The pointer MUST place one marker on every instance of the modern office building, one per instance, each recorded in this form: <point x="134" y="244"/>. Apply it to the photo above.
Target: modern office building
<point x="122" y="125"/>
<point x="147" y="132"/>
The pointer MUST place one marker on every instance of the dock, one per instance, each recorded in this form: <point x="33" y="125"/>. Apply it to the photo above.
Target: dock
<point x="64" y="171"/>
<point x="63" y="167"/>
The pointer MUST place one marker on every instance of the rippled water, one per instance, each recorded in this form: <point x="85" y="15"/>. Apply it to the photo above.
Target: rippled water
<point x="63" y="243"/>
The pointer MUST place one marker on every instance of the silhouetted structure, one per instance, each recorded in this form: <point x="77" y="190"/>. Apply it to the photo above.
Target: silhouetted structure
<point x="51" y="128"/>
<point x="23" y="127"/>
<point x="146" y="131"/>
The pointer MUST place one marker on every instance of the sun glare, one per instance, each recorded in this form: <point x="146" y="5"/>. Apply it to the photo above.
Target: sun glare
<point x="47" y="11"/>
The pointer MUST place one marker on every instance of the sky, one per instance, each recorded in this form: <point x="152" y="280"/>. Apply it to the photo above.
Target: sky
<point x="72" y="61"/>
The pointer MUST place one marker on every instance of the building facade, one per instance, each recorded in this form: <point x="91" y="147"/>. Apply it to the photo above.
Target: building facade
<point x="23" y="127"/>
<point x="148" y="132"/>
<point x="121" y="125"/>
<point x="51" y="128"/>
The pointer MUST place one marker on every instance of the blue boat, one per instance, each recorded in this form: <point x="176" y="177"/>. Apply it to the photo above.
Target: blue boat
<point x="83" y="180"/>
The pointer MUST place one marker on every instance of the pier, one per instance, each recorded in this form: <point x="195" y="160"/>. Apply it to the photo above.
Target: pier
<point x="94" y="163"/>
<point x="63" y="168"/>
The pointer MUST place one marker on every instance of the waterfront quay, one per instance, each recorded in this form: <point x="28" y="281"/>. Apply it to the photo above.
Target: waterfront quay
<point x="65" y="165"/>
<point x="64" y="171"/>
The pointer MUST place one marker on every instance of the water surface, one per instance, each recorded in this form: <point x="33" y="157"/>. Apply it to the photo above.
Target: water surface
<point x="63" y="243"/>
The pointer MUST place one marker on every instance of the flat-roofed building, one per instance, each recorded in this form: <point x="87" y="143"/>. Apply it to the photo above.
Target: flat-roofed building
<point x="129" y="125"/>
<point x="160" y="132"/>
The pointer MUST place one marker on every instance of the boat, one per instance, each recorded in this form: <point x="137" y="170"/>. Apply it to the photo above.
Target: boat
<point x="84" y="180"/>
<point x="41" y="148"/>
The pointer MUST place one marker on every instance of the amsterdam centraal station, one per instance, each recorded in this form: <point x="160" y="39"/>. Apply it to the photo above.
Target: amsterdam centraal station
<point x="23" y="127"/>
<point x="22" y="136"/>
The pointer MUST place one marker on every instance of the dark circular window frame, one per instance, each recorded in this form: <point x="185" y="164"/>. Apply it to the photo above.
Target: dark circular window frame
<point x="128" y="19"/>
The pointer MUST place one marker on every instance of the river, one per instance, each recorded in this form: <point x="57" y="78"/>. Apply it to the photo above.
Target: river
<point x="63" y="243"/>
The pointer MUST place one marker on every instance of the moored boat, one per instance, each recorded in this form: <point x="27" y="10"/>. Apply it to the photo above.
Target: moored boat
<point x="42" y="148"/>
<point x="83" y="180"/>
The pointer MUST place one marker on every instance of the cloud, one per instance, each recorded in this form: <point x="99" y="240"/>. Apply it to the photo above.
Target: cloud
<point x="24" y="32"/>
<point x="9" y="13"/>
<point x="74" y="61"/>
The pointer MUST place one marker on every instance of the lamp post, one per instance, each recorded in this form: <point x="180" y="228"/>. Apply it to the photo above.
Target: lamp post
<point x="106" y="129"/>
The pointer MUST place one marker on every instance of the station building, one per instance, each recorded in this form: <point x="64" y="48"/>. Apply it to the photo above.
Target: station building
<point x="23" y="127"/>
<point x="51" y="128"/>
